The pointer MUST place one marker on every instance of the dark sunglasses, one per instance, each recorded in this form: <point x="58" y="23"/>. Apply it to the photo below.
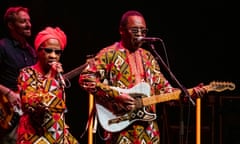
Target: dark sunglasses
<point x="50" y="50"/>
<point x="138" y="29"/>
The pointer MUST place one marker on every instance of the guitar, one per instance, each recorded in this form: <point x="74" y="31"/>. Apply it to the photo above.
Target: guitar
<point x="141" y="92"/>
<point x="9" y="115"/>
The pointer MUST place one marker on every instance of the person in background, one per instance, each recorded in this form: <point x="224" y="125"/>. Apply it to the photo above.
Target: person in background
<point x="41" y="88"/>
<point x="16" y="52"/>
<point x="123" y="66"/>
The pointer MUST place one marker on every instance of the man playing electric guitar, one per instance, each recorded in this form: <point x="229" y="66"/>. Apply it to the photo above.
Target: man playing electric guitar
<point x="124" y="65"/>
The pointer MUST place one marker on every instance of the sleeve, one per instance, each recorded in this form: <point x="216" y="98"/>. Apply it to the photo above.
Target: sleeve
<point x="95" y="77"/>
<point x="30" y="98"/>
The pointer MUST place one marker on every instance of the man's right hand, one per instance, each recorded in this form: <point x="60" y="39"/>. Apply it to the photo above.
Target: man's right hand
<point x="125" y="102"/>
<point x="14" y="99"/>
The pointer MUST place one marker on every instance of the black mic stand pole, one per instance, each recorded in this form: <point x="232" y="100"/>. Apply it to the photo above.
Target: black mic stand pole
<point x="184" y="91"/>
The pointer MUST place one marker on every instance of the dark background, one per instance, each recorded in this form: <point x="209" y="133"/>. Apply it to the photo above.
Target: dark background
<point x="200" y="39"/>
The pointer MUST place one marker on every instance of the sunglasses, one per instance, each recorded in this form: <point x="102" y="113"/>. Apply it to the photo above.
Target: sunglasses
<point x="50" y="50"/>
<point x="138" y="29"/>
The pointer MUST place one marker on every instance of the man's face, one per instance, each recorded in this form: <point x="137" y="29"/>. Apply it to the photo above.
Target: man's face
<point x="22" y="25"/>
<point x="135" y="28"/>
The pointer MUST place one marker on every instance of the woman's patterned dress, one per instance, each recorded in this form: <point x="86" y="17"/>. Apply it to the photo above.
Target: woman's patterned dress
<point x="43" y="107"/>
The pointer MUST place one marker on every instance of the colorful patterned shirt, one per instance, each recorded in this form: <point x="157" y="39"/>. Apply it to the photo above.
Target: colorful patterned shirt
<point x="117" y="67"/>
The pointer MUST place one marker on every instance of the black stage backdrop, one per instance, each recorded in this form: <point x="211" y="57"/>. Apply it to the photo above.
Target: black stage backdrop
<point x="198" y="37"/>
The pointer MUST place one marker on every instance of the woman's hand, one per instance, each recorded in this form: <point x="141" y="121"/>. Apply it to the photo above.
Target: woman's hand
<point x="56" y="67"/>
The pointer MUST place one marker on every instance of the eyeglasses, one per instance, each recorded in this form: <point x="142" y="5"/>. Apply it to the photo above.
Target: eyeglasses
<point x="138" y="29"/>
<point x="50" y="50"/>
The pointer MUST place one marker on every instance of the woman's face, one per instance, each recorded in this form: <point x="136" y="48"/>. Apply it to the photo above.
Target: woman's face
<point x="49" y="51"/>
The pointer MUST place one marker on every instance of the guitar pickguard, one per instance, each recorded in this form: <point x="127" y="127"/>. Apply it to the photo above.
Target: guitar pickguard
<point x="138" y="114"/>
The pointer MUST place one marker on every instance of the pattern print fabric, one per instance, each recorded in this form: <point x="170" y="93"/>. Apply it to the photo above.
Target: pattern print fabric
<point x="115" y="67"/>
<point x="44" y="108"/>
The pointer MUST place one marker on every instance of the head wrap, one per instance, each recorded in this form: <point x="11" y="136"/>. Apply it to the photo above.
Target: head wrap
<point x="49" y="33"/>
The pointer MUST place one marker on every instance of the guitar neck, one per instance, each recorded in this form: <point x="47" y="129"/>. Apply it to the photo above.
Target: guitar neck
<point x="163" y="97"/>
<point x="74" y="72"/>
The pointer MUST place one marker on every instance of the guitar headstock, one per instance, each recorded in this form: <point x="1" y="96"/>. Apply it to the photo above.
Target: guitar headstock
<point x="221" y="86"/>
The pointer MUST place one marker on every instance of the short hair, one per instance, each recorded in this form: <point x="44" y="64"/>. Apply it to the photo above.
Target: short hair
<point x="11" y="12"/>
<point x="124" y="19"/>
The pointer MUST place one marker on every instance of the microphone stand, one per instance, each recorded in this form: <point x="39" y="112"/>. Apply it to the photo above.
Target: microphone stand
<point x="63" y="85"/>
<point x="183" y="89"/>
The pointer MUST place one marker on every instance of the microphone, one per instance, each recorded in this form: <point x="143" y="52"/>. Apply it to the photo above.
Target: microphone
<point x="148" y="39"/>
<point x="62" y="81"/>
<point x="59" y="75"/>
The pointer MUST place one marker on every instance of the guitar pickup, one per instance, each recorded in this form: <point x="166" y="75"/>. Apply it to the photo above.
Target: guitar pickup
<point x="118" y="119"/>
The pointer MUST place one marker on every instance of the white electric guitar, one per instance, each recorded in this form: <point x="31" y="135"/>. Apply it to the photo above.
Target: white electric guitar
<point x="141" y="92"/>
